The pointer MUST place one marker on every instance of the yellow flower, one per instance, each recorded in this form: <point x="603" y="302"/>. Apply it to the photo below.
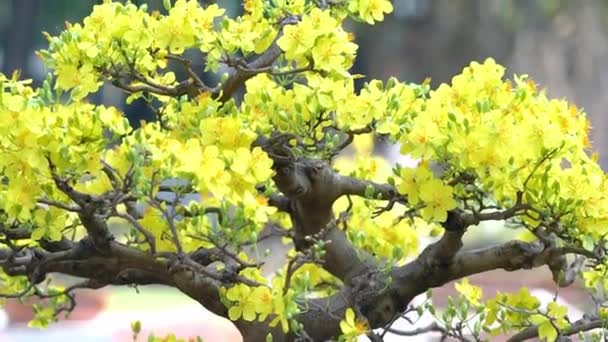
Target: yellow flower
<point x="351" y="327"/>
<point x="83" y="80"/>
<point x="21" y="196"/>
<point x="370" y="10"/>
<point x="297" y="39"/>
<point x="438" y="200"/>
<point x="523" y="299"/>
<point x="262" y="299"/>
<point x="243" y="303"/>
<point x="155" y="222"/>
<point x="472" y="293"/>
<point x="333" y="52"/>
<point x="411" y="178"/>
<point x="321" y="21"/>
<point x="282" y="309"/>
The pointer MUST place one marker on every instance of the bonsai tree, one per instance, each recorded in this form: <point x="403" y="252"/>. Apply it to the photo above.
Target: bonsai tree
<point x="258" y="151"/>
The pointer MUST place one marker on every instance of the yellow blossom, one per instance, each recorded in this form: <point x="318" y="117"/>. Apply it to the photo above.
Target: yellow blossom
<point x="352" y="328"/>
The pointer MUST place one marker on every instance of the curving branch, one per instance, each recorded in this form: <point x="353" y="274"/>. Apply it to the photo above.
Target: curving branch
<point x="350" y="136"/>
<point x="353" y="186"/>
<point x="381" y="302"/>
<point x="148" y="236"/>
<point x="309" y="188"/>
<point x="15" y="232"/>
<point x="118" y="265"/>
<point x="575" y="328"/>
<point x="187" y="65"/>
<point x="261" y="63"/>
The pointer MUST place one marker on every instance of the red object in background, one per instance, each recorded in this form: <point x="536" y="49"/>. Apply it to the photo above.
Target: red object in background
<point x="88" y="305"/>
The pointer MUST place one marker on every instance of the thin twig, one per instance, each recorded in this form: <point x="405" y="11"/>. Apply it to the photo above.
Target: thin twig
<point x="146" y="233"/>
<point x="60" y="205"/>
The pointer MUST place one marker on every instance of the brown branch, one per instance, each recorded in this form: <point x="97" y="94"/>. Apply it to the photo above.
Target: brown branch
<point x="341" y="259"/>
<point x="579" y="326"/>
<point x="187" y="65"/>
<point x="170" y="217"/>
<point x="311" y="187"/>
<point x="350" y="136"/>
<point x="146" y="233"/>
<point x="225" y="91"/>
<point x="153" y="89"/>
<point x="220" y="253"/>
<point x="64" y="186"/>
<point x="90" y="208"/>
<point x="567" y="273"/>
<point x="510" y="256"/>
<point x="118" y="265"/>
<point x="280" y="202"/>
<point x="449" y="244"/>
<point x="111" y="174"/>
<point x="270" y="69"/>
<point x="15" y="232"/>
<point x="432" y="269"/>
<point x="271" y="229"/>
<point x="347" y="185"/>
<point x="292" y="266"/>
<point x="60" y="205"/>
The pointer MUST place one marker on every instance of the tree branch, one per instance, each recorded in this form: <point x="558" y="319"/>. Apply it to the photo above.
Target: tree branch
<point x="238" y="78"/>
<point x="578" y="326"/>
<point x="117" y="265"/>
<point x="187" y="65"/>
<point x="350" y="136"/>
<point x="146" y="233"/>
<point x="352" y="186"/>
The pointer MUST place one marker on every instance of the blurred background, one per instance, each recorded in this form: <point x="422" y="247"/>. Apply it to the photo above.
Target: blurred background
<point x="561" y="44"/>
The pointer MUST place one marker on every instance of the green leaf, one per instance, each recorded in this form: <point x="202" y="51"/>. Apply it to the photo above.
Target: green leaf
<point x="588" y="242"/>
<point x="477" y="327"/>
<point x="136" y="327"/>
<point x="397" y="253"/>
<point x="369" y="191"/>
<point x="167" y="4"/>
<point x="463" y="309"/>
<point x="225" y="23"/>
<point x="451" y="116"/>
<point x="269" y="337"/>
